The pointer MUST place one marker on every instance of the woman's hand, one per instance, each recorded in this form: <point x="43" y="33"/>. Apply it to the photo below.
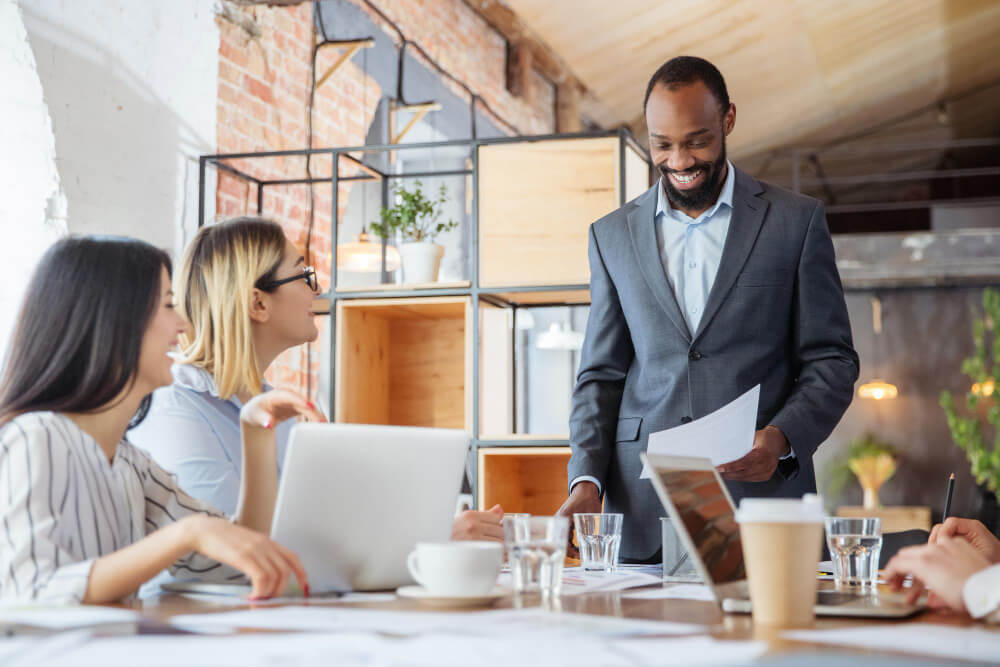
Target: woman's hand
<point x="943" y="567"/>
<point x="259" y="482"/>
<point x="973" y="532"/>
<point x="472" y="525"/>
<point x="273" y="407"/>
<point x="267" y="563"/>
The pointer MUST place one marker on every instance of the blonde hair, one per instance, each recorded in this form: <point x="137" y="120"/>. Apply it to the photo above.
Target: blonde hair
<point x="219" y="272"/>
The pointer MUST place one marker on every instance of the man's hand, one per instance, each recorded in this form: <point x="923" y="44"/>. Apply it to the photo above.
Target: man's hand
<point x="769" y="445"/>
<point x="973" y="532"/>
<point x="472" y="525"/>
<point x="943" y="567"/>
<point x="583" y="499"/>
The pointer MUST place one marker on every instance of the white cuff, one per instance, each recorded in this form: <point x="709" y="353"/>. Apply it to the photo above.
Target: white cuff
<point x="981" y="592"/>
<point x="585" y="478"/>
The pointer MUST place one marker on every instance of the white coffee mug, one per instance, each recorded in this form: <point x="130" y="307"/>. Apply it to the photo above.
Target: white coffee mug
<point x="456" y="568"/>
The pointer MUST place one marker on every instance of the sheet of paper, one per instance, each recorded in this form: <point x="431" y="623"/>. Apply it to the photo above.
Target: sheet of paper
<point x="503" y="621"/>
<point x="723" y="436"/>
<point x="673" y="592"/>
<point x="316" y="600"/>
<point x="577" y="581"/>
<point x="36" y="650"/>
<point x="974" y="643"/>
<point x="62" y="617"/>
<point x="689" y="651"/>
<point x="430" y="649"/>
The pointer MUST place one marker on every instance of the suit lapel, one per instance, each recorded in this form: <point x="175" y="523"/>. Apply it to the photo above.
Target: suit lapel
<point x="642" y="227"/>
<point x="744" y="226"/>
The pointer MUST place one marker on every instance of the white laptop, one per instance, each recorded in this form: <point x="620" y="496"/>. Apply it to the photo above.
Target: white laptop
<point x="704" y="517"/>
<point x="355" y="499"/>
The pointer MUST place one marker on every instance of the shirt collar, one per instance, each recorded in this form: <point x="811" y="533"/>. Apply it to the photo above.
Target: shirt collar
<point x="195" y="378"/>
<point x="725" y="197"/>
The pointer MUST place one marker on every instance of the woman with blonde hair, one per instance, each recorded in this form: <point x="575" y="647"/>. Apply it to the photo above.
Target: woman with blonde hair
<point x="248" y="295"/>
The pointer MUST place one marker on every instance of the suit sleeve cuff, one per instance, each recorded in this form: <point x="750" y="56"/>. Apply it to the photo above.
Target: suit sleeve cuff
<point x="585" y="478"/>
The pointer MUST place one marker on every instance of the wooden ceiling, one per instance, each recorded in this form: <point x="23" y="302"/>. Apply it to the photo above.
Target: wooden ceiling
<point x="800" y="71"/>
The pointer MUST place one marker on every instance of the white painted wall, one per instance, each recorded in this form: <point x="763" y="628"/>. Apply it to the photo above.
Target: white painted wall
<point x="131" y="87"/>
<point x="32" y="208"/>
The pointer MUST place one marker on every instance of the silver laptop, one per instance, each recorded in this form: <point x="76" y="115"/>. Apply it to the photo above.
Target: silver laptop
<point x="704" y="516"/>
<point x="355" y="499"/>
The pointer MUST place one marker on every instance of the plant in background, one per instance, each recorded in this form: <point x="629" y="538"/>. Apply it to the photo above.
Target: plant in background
<point x="969" y="430"/>
<point x="415" y="216"/>
<point x="872" y="461"/>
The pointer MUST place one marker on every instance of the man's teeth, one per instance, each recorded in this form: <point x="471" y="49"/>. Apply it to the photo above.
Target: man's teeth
<point x="686" y="178"/>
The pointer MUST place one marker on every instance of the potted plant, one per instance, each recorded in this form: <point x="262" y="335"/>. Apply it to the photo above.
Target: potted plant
<point x="872" y="461"/>
<point x="416" y="218"/>
<point x="982" y="412"/>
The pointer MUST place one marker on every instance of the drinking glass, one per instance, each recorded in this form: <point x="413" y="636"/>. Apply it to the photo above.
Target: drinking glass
<point x="677" y="564"/>
<point x="854" y="546"/>
<point x="507" y="518"/>
<point x="599" y="537"/>
<point x="537" y="548"/>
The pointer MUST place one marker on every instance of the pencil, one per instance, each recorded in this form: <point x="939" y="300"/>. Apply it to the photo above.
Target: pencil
<point x="947" y="497"/>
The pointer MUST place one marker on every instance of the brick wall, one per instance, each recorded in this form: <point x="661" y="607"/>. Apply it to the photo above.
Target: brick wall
<point x="264" y="60"/>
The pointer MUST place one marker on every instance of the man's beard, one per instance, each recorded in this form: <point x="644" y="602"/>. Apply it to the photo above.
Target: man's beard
<point x="704" y="195"/>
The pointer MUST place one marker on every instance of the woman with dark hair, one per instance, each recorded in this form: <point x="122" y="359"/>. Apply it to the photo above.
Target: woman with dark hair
<point x="86" y="516"/>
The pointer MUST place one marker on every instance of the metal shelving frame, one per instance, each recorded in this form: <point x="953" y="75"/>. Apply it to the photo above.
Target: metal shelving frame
<point x="491" y="295"/>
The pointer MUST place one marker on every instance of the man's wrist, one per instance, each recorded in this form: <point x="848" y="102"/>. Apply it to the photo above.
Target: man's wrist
<point x="585" y="487"/>
<point x="780" y="447"/>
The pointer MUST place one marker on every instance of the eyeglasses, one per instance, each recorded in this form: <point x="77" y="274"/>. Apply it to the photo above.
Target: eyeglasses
<point x="308" y="274"/>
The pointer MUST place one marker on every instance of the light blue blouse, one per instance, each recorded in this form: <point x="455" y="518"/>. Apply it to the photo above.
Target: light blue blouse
<point x="194" y="434"/>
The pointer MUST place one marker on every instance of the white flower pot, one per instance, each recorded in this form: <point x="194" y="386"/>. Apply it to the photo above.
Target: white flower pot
<point x="421" y="262"/>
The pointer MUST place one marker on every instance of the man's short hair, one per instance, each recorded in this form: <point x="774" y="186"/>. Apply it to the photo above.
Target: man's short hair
<point x="685" y="70"/>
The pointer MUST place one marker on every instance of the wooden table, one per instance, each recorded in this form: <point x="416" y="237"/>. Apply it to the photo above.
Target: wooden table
<point x="708" y="614"/>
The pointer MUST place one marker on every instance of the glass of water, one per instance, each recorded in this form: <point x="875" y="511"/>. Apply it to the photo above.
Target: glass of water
<point x="677" y="563"/>
<point x="536" y="547"/>
<point x="507" y="518"/>
<point x="855" y="545"/>
<point x="599" y="537"/>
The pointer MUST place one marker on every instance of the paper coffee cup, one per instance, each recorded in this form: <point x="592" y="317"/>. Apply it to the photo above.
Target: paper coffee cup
<point x="782" y="542"/>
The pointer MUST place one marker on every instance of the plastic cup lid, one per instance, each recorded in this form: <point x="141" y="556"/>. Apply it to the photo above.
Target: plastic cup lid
<point x="808" y="509"/>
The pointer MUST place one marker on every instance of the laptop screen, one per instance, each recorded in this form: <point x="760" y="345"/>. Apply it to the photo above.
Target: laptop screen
<point x="710" y="520"/>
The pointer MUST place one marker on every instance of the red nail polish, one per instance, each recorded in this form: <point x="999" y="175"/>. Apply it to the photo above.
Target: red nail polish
<point x="305" y="589"/>
<point x="267" y="424"/>
<point x="311" y="406"/>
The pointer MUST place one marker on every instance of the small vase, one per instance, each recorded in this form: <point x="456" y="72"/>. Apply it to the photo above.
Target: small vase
<point x="421" y="262"/>
<point x="871" y="501"/>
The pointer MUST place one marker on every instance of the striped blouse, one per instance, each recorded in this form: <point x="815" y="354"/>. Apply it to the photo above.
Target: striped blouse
<point x="63" y="505"/>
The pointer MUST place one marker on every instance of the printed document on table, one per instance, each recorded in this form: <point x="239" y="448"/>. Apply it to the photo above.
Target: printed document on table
<point x="723" y="436"/>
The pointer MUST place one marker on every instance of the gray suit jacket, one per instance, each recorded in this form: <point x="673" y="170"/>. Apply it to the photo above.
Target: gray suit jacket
<point x="775" y="315"/>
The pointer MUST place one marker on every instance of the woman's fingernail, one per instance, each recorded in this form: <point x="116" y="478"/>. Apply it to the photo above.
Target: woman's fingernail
<point x="306" y="590"/>
<point x="267" y="423"/>
<point x="311" y="406"/>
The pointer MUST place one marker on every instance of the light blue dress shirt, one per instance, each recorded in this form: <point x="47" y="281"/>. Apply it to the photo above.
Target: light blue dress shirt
<point x="691" y="248"/>
<point x="194" y="434"/>
<point x="691" y="251"/>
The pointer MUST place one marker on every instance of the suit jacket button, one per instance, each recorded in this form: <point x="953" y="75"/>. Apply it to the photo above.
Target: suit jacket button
<point x="694" y="355"/>
<point x="685" y="420"/>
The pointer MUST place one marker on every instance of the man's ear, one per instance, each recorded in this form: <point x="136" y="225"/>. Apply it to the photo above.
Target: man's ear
<point x="260" y="306"/>
<point x="729" y="119"/>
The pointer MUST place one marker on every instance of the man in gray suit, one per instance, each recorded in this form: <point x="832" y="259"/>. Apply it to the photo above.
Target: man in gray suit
<point x="706" y="285"/>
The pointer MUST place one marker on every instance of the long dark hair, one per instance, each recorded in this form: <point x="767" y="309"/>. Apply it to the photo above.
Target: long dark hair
<point x="79" y="333"/>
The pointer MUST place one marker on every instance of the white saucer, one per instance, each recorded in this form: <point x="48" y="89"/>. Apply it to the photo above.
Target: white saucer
<point x="423" y="595"/>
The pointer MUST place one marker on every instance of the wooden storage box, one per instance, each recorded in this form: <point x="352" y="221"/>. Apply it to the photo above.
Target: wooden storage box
<point x="523" y="479"/>
<point x="537" y="200"/>
<point x="404" y="362"/>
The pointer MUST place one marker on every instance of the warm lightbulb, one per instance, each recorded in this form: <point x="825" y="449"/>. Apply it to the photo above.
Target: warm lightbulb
<point x="985" y="389"/>
<point x="878" y="390"/>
